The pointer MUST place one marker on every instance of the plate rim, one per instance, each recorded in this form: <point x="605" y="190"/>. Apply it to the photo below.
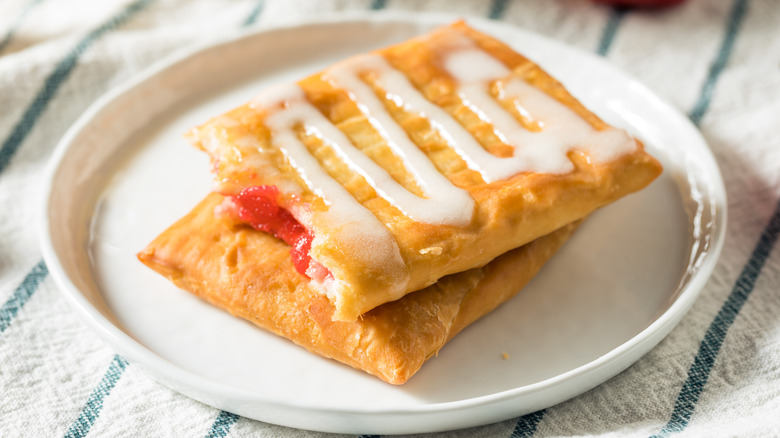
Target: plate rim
<point x="172" y="376"/>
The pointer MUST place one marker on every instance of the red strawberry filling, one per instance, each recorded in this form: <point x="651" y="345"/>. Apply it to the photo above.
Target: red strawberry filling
<point x="258" y="207"/>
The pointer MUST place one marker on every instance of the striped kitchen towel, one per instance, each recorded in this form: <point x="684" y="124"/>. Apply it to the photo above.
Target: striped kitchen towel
<point x="716" y="375"/>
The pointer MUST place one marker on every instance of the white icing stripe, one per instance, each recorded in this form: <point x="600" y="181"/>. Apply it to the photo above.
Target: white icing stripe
<point x="424" y="210"/>
<point x="401" y="90"/>
<point x="359" y="231"/>
<point x="545" y="151"/>
<point x="539" y="157"/>
<point x="562" y="130"/>
<point x="284" y="137"/>
<point x="444" y="203"/>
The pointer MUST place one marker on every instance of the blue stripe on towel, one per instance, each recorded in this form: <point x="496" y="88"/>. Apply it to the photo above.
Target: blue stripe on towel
<point x="699" y="372"/>
<point x="22" y="294"/>
<point x="615" y="18"/>
<point x="378" y="4"/>
<point x="497" y="9"/>
<point x="221" y="426"/>
<point x="91" y="411"/>
<point x="705" y="95"/>
<point x="256" y="11"/>
<point x="527" y="424"/>
<point x="30" y="284"/>
<point x="12" y="30"/>
<point x="56" y="79"/>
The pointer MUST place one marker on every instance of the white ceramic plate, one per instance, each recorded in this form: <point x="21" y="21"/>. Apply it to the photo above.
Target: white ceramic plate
<point x="124" y="173"/>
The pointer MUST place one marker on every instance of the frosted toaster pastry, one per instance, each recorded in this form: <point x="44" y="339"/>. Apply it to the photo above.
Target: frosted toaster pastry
<point x="417" y="161"/>
<point x="249" y="274"/>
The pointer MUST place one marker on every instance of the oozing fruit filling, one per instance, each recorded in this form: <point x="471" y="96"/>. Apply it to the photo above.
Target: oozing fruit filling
<point x="258" y="207"/>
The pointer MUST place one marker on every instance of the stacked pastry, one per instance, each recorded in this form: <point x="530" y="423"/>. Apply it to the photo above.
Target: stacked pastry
<point x="373" y="210"/>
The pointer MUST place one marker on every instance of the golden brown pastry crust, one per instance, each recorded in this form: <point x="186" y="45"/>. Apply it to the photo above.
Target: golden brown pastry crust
<point x="508" y="213"/>
<point x="249" y="274"/>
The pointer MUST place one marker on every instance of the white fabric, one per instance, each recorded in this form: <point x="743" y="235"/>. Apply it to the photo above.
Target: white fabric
<point x="50" y="363"/>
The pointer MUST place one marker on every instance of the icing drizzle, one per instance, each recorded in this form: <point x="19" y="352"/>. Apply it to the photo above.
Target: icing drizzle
<point x="358" y="230"/>
<point x="544" y="150"/>
<point x="443" y="203"/>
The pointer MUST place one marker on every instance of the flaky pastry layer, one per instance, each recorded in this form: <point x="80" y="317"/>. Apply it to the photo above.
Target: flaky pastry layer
<point x="249" y="274"/>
